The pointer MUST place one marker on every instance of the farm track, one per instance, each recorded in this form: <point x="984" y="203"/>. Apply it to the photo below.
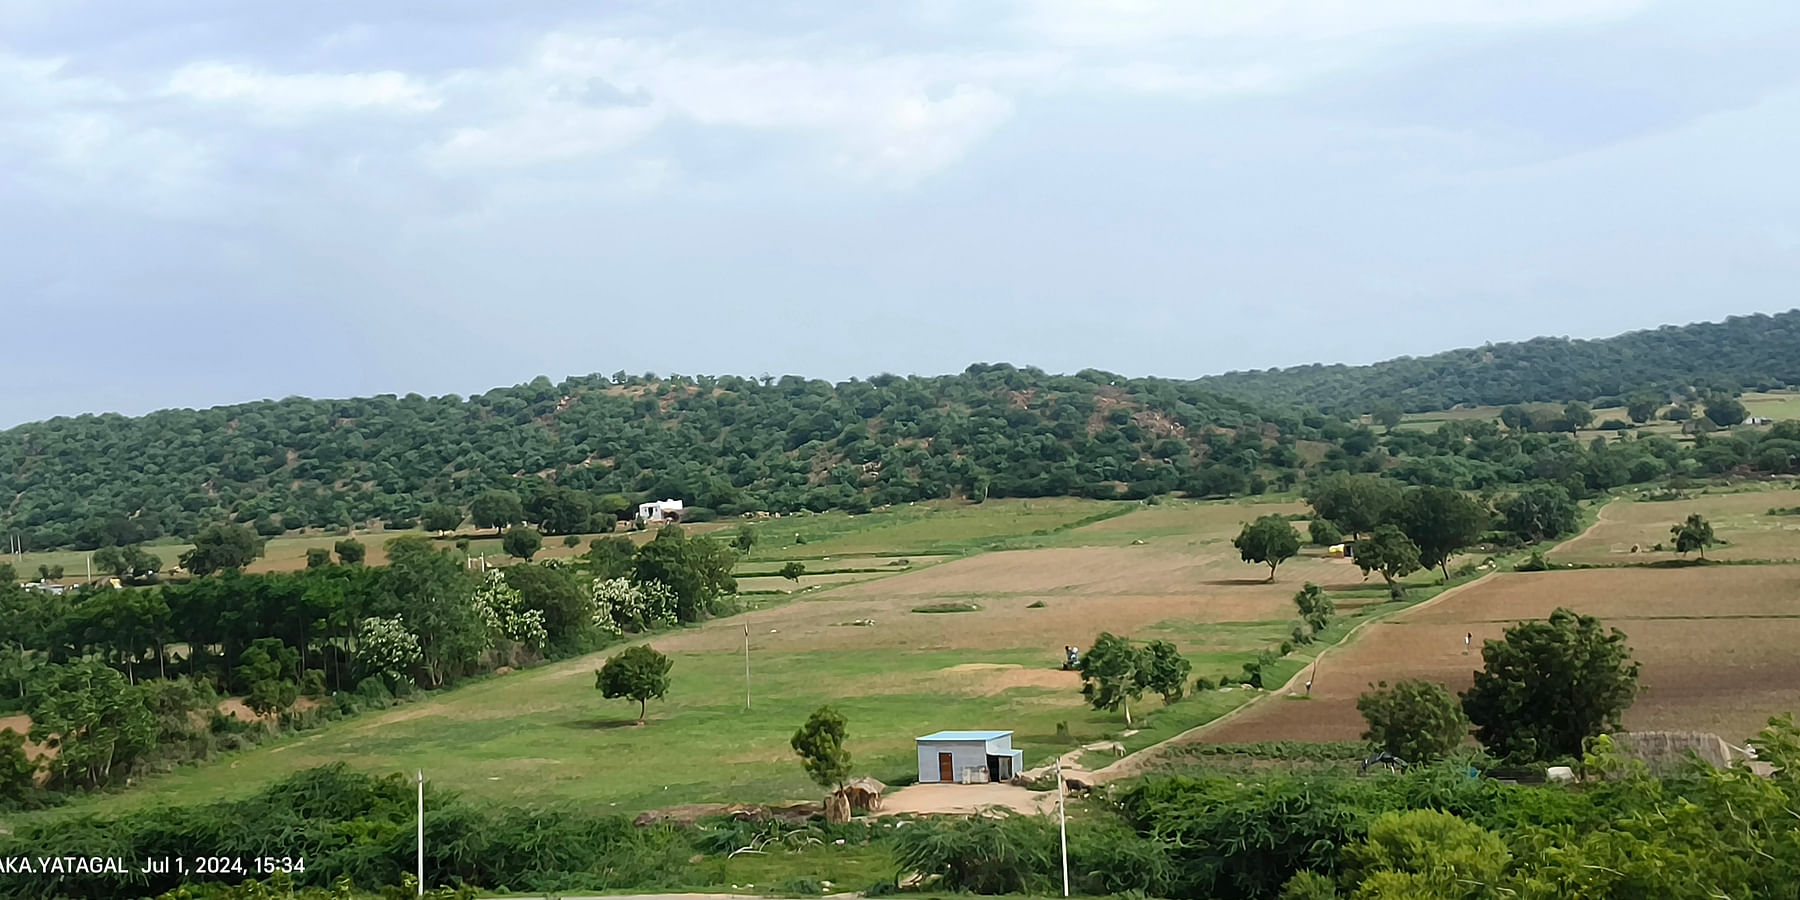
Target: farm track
<point x="1135" y="763"/>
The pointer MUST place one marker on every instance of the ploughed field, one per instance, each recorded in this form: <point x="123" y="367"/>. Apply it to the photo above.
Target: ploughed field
<point x="1717" y="646"/>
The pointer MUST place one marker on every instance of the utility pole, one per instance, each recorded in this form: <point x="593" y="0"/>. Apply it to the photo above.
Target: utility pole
<point x="746" y="665"/>
<point x="1062" y="824"/>
<point x="421" y="832"/>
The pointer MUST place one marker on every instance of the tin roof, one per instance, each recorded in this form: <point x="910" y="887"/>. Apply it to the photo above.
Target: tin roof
<point x="965" y="735"/>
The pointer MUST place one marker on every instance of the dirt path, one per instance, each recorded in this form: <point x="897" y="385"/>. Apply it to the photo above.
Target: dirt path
<point x="1136" y="763"/>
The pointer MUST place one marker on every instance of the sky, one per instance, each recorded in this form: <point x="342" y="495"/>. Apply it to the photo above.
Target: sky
<point x="211" y="201"/>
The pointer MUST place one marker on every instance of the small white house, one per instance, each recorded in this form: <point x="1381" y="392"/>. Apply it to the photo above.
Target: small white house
<point x="968" y="757"/>
<point x="657" y="512"/>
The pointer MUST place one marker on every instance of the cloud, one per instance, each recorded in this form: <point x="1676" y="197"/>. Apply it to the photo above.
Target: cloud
<point x="1123" y="23"/>
<point x="894" y="118"/>
<point x="290" y="96"/>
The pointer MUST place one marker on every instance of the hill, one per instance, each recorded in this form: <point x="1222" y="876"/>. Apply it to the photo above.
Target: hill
<point x="1740" y="353"/>
<point x="726" y="444"/>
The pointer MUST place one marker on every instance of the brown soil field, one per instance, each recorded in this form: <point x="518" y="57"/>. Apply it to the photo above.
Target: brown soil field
<point x="1699" y="592"/>
<point x="1717" y="648"/>
<point x="1739" y="518"/>
<point x="1085" y="590"/>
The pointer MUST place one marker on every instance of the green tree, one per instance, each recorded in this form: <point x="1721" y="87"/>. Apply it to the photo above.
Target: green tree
<point x="566" y="604"/>
<point x="1164" y="670"/>
<point x="820" y="745"/>
<point x="18" y="773"/>
<point x="1539" y="512"/>
<point x="350" y="552"/>
<point x="1112" y="674"/>
<point x="1354" y="503"/>
<point x="497" y="510"/>
<point x="1642" y="407"/>
<point x="743" y="539"/>
<point x="98" y="725"/>
<point x="1322" y="533"/>
<point x="222" y="548"/>
<point x="1693" y="534"/>
<point x="1577" y="415"/>
<point x="1270" y="540"/>
<point x="793" y="570"/>
<point x="1315" y="608"/>
<point x="1550" y="685"/>
<point x="610" y="557"/>
<point x="317" y="557"/>
<point x="1387" y="415"/>
<point x="1390" y="552"/>
<point x="522" y="542"/>
<point x="562" y="510"/>
<point x="432" y="591"/>
<point x="1726" y="411"/>
<point x="1440" y="521"/>
<point x="1418" y="721"/>
<point x="440" y="517"/>
<point x="698" y="570"/>
<point x="638" y="673"/>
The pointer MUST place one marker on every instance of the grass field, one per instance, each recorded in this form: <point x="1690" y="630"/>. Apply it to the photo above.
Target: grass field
<point x="1740" y="518"/>
<point x="546" y="733"/>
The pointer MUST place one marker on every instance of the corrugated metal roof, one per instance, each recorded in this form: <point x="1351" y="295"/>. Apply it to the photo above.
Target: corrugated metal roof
<point x="965" y="735"/>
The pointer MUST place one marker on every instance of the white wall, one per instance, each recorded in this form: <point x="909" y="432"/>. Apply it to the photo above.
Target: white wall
<point x="963" y="755"/>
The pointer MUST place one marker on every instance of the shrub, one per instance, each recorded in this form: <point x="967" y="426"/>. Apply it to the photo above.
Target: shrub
<point x="1417" y="721"/>
<point x="1006" y="854"/>
<point x="1323" y="533"/>
<point x="1309" y="886"/>
<point x="1534" y="563"/>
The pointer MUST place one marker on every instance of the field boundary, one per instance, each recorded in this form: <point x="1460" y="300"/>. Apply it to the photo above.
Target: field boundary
<point x="1131" y="764"/>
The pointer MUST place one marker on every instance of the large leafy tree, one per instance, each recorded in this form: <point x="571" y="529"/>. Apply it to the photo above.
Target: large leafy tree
<point x="440" y="517"/>
<point x="497" y="510"/>
<point x="1354" y="503"/>
<point x="1270" y="540"/>
<point x="222" y="548"/>
<point x="1440" y="521"/>
<point x="1115" y="672"/>
<point x="1549" y="685"/>
<point x="1539" y="512"/>
<point x="98" y="725"/>
<point x="432" y="591"/>
<point x="1390" y="552"/>
<point x="639" y="673"/>
<point x="1418" y="721"/>
<point x="820" y="745"/>
<point x="697" y="569"/>
<point x="521" y="542"/>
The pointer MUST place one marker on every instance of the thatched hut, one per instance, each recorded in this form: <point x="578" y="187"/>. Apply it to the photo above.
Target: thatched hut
<point x="1667" y="752"/>
<point x="864" y="794"/>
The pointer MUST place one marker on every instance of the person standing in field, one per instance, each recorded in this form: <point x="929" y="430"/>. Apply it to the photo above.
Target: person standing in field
<point x="1468" y="640"/>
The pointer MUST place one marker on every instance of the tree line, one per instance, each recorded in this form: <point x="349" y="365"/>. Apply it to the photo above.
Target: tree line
<point x="1758" y="352"/>
<point x="99" y="669"/>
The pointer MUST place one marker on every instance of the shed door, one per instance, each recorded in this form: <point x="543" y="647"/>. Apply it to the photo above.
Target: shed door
<point x="946" y="768"/>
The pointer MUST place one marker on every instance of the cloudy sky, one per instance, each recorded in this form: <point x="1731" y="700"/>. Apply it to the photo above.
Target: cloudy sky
<point x="206" y="201"/>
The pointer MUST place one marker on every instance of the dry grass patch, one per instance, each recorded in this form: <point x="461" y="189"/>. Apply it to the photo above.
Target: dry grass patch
<point x="1739" y="518"/>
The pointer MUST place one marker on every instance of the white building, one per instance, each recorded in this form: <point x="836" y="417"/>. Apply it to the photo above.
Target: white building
<point x="657" y="512"/>
<point x="968" y="757"/>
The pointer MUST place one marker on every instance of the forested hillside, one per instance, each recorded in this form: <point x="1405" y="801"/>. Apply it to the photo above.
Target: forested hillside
<point x="1740" y="353"/>
<point x="725" y="444"/>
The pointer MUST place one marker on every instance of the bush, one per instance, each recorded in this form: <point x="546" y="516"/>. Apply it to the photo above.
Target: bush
<point x="571" y="540"/>
<point x="1417" y="721"/>
<point x="1309" y="886"/>
<point x="1323" y="533"/>
<point x="1203" y="684"/>
<point x="1007" y="854"/>
<point x="1534" y="563"/>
